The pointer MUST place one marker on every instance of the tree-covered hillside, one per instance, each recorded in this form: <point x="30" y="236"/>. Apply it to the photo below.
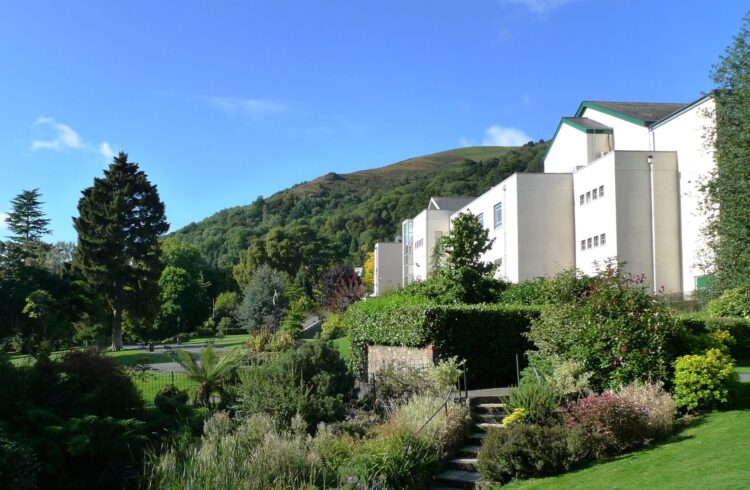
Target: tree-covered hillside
<point x="354" y="211"/>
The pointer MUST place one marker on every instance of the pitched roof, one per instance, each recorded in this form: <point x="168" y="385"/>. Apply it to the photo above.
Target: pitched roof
<point x="587" y="124"/>
<point x="643" y="113"/>
<point x="449" y="203"/>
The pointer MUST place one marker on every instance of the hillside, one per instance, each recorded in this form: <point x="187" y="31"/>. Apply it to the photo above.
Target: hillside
<point x="354" y="211"/>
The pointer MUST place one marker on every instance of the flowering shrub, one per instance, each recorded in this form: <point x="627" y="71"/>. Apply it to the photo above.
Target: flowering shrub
<point x="703" y="381"/>
<point x="606" y="425"/>
<point x="616" y="329"/>
<point x="518" y="416"/>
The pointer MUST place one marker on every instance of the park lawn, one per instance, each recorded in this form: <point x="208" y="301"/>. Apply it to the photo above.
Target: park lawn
<point x="130" y="357"/>
<point x="712" y="453"/>
<point x="344" y="346"/>
<point x="227" y="341"/>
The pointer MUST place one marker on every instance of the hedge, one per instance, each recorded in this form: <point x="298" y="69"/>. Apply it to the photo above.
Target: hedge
<point x="487" y="336"/>
<point x="696" y="324"/>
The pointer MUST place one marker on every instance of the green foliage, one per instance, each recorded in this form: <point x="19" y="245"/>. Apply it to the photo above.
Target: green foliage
<point x="19" y="467"/>
<point x="540" y="400"/>
<point x="264" y="340"/>
<point x="368" y="206"/>
<point x="26" y="221"/>
<point x="368" y="277"/>
<point x="334" y="327"/>
<point x="727" y="197"/>
<point x="617" y="330"/>
<point x="466" y="243"/>
<point x="570" y="378"/>
<point x="170" y="399"/>
<point x="119" y="223"/>
<point x="400" y="461"/>
<point x="263" y="301"/>
<point x="697" y="333"/>
<point x="226" y="305"/>
<point x="312" y="381"/>
<point x="733" y="302"/>
<point x="211" y="375"/>
<point x="524" y="451"/>
<point x="295" y="316"/>
<point x="703" y="381"/>
<point x="496" y="333"/>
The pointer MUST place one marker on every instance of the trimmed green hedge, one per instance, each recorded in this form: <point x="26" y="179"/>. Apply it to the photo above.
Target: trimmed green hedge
<point x="697" y="325"/>
<point x="487" y="336"/>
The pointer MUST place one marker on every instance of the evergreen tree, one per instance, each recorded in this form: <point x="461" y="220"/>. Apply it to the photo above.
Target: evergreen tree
<point x="727" y="191"/>
<point x="120" y="220"/>
<point x="26" y="221"/>
<point x="263" y="301"/>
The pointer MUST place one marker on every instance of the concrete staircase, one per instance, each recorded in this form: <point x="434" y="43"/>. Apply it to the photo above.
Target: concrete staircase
<point x="461" y="471"/>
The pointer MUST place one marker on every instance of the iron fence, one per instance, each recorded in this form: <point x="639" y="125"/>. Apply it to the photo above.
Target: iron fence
<point x="149" y="383"/>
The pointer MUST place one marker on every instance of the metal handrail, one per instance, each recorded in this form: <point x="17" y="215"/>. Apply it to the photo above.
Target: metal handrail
<point x="444" y="405"/>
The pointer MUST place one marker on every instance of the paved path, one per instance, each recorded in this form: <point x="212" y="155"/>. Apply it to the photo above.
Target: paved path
<point x="744" y="376"/>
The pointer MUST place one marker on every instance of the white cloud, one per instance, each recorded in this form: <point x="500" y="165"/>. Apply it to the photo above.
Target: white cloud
<point x="65" y="137"/>
<point x="106" y="150"/>
<point x="501" y="136"/>
<point x="541" y="8"/>
<point x="246" y="107"/>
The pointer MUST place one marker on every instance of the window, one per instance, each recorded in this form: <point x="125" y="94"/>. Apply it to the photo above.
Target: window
<point x="601" y="191"/>
<point x="583" y="244"/>
<point x="498" y="214"/>
<point x="596" y="241"/>
<point x="588" y="243"/>
<point x="603" y="238"/>
<point x="480" y="218"/>
<point x="419" y="243"/>
<point x="588" y="196"/>
<point x="593" y="194"/>
<point x="582" y="197"/>
<point x="499" y="262"/>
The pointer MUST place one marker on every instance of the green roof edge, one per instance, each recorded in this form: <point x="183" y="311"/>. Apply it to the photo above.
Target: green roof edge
<point x="577" y="126"/>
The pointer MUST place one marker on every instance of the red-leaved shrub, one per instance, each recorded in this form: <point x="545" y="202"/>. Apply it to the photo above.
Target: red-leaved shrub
<point x="605" y="425"/>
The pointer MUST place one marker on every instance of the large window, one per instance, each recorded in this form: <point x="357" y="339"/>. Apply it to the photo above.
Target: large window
<point x="480" y="218"/>
<point x="498" y="214"/>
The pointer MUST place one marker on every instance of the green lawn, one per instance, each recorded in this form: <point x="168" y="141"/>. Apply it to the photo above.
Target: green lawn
<point x="712" y="453"/>
<point x="149" y="383"/>
<point x="227" y="341"/>
<point x="344" y="346"/>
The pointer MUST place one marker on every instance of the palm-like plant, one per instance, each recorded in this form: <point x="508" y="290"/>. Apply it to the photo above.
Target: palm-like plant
<point x="210" y="375"/>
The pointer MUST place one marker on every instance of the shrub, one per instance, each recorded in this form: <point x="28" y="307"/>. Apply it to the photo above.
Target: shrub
<point x="397" y="382"/>
<point x="295" y="316"/>
<point x="19" y="468"/>
<point x="732" y="303"/>
<point x="170" y="399"/>
<point x="656" y="404"/>
<point x="524" y="451"/>
<point x="616" y="329"/>
<point x="518" y="416"/>
<point x="340" y="287"/>
<point x="540" y="400"/>
<point x="263" y="300"/>
<point x="312" y="381"/>
<point x="607" y="425"/>
<point x="446" y="431"/>
<point x="334" y="327"/>
<point x="266" y="341"/>
<point x="497" y="333"/>
<point x="94" y="384"/>
<point x="570" y="378"/>
<point x="698" y="333"/>
<point x="399" y="461"/>
<point x="703" y="381"/>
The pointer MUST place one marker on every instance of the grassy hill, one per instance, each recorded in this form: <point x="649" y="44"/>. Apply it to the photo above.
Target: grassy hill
<point x="355" y="210"/>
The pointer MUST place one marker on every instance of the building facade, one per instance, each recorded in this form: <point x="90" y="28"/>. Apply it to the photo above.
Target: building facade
<point x="621" y="182"/>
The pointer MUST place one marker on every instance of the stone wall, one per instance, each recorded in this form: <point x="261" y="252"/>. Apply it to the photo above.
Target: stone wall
<point x="380" y="355"/>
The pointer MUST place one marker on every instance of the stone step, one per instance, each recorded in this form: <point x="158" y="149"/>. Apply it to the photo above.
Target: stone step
<point x="468" y="464"/>
<point x="490" y="417"/>
<point x="490" y="408"/>
<point x="485" y="426"/>
<point x="458" y="478"/>
<point x="478" y="436"/>
<point x="471" y="450"/>
<point x="481" y="400"/>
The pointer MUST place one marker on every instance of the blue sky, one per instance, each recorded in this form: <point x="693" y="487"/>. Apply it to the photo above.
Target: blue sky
<point x="223" y="101"/>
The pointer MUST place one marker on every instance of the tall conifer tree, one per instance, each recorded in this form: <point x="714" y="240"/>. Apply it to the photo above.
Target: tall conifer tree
<point x="26" y="221"/>
<point x="120" y="220"/>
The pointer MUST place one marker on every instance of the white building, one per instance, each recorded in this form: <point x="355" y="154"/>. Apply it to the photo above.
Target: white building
<point x="388" y="273"/>
<point x="621" y="181"/>
<point x="423" y="232"/>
